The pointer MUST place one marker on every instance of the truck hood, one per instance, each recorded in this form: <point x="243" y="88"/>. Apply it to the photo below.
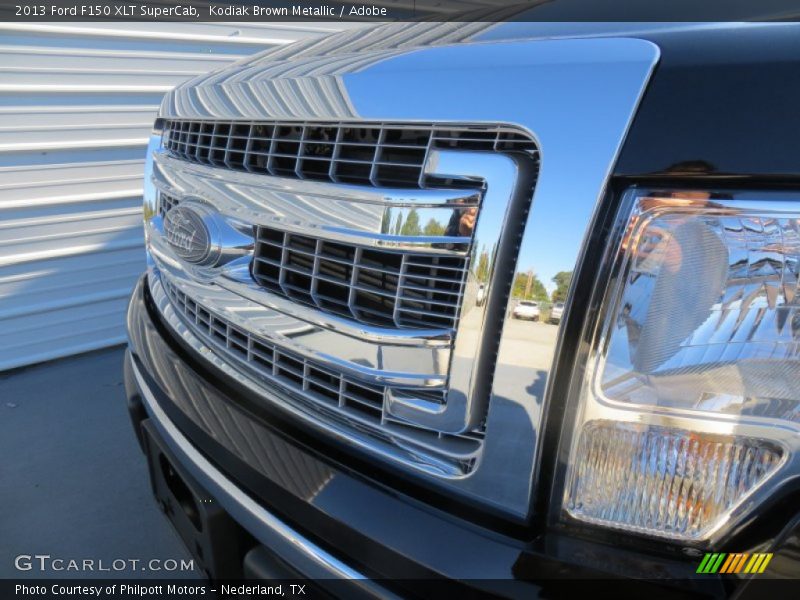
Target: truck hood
<point x="304" y="78"/>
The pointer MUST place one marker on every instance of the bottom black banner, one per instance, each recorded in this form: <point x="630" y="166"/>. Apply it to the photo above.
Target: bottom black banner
<point x="59" y="589"/>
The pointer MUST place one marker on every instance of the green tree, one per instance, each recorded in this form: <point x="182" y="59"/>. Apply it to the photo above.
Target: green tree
<point x="482" y="271"/>
<point x="411" y="226"/>
<point x="562" y="280"/>
<point x="433" y="227"/>
<point x="536" y="290"/>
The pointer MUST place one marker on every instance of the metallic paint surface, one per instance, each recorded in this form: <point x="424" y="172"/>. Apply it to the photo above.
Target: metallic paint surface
<point x="576" y="98"/>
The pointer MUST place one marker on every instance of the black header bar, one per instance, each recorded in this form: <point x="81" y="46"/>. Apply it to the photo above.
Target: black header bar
<point x="256" y="11"/>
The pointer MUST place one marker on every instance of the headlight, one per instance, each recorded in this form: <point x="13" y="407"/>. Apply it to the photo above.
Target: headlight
<point x="688" y="411"/>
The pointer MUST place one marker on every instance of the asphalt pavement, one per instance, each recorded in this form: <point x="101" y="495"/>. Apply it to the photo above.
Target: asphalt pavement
<point x="73" y="482"/>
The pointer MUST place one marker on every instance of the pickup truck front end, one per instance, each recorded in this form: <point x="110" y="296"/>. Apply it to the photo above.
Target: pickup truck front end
<point x="322" y="366"/>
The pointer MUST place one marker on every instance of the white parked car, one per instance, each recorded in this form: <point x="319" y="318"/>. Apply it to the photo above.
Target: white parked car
<point x="556" y="312"/>
<point x="480" y="297"/>
<point x="527" y="309"/>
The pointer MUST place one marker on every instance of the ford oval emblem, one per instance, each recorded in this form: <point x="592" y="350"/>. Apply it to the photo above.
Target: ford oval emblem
<point x="187" y="234"/>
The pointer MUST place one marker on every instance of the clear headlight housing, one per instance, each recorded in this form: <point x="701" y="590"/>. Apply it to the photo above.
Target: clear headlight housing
<point x="688" y="410"/>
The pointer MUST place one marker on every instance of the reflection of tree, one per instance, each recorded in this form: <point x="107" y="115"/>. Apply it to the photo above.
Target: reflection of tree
<point x="386" y="221"/>
<point x="433" y="227"/>
<point x="398" y="224"/>
<point x="528" y="287"/>
<point x="411" y="226"/>
<point x="562" y="280"/>
<point x="482" y="270"/>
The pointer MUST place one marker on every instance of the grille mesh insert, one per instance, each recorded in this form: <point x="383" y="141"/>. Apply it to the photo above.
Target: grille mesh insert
<point x="380" y="287"/>
<point x="363" y="153"/>
<point x="327" y="388"/>
<point x="166" y="202"/>
<point x="370" y="285"/>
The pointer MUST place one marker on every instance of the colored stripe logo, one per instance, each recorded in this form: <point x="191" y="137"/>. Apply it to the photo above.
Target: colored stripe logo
<point x="734" y="563"/>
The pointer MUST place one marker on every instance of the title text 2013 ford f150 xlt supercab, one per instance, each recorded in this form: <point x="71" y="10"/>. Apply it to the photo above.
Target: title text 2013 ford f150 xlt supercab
<point x="322" y="367"/>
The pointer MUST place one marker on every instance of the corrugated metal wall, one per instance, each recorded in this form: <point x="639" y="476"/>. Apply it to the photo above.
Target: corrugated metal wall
<point x="76" y="105"/>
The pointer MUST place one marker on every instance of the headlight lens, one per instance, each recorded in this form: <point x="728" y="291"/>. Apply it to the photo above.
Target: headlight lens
<point x="663" y="480"/>
<point x="690" y="402"/>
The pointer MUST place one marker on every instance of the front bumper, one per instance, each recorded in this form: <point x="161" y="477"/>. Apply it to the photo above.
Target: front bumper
<point x="322" y="519"/>
<point x="306" y="502"/>
<point x="285" y="541"/>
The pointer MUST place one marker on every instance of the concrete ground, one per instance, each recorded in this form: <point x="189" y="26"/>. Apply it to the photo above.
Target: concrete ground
<point x="73" y="482"/>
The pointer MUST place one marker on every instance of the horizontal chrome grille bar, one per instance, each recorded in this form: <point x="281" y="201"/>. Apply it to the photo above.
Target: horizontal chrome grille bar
<point x="374" y="154"/>
<point x="359" y="401"/>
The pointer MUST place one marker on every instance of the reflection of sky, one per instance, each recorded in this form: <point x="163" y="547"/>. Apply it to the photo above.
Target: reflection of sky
<point x="549" y="264"/>
<point x="522" y="29"/>
<point x="525" y="83"/>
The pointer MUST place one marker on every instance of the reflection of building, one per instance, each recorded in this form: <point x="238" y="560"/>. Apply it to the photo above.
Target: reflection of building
<point x="275" y="83"/>
<point x="74" y="117"/>
<point x="77" y="102"/>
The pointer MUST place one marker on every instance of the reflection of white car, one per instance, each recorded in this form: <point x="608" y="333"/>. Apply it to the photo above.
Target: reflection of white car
<point x="480" y="298"/>
<point x="556" y="312"/>
<point x="526" y="309"/>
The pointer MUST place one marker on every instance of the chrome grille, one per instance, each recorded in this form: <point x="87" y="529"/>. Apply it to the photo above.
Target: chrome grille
<point x="166" y="202"/>
<point x="363" y="153"/>
<point x="370" y="285"/>
<point x="348" y="272"/>
<point x="348" y="396"/>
